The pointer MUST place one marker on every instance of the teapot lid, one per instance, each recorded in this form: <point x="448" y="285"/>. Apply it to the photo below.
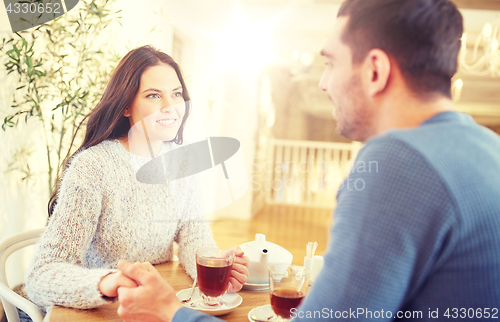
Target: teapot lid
<point x="261" y="243"/>
<point x="260" y="238"/>
<point x="259" y="247"/>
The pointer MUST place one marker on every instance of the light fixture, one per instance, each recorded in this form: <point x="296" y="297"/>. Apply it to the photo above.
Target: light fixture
<point x="305" y="58"/>
<point x="484" y="59"/>
<point x="244" y="45"/>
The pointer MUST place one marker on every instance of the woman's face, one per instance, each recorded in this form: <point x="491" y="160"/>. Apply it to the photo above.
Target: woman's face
<point x="158" y="107"/>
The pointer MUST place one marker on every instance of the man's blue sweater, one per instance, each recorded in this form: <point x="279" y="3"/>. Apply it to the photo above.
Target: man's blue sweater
<point x="417" y="229"/>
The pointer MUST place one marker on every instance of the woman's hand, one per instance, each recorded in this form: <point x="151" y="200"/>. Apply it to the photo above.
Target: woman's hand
<point x="239" y="273"/>
<point x="110" y="283"/>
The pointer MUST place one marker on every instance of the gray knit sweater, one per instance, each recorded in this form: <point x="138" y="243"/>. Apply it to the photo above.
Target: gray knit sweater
<point x="103" y="215"/>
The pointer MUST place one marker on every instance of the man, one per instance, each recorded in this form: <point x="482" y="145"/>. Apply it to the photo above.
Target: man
<point x="419" y="237"/>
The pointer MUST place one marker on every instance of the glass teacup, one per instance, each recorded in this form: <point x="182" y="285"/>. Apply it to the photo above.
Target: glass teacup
<point x="213" y="266"/>
<point x="287" y="287"/>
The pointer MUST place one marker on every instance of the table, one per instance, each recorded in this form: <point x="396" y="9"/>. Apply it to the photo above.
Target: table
<point x="175" y="275"/>
<point x="296" y="225"/>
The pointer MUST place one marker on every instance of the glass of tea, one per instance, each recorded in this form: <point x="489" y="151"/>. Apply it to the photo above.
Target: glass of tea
<point x="213" y="266"/>
<point x="287" y="287"/>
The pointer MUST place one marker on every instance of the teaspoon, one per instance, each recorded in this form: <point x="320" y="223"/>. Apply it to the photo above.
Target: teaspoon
<point x="188" y="300"/>
<point x="257" y="319"/>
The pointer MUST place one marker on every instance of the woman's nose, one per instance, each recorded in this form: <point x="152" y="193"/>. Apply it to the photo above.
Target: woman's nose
<point x="166" y="104"/>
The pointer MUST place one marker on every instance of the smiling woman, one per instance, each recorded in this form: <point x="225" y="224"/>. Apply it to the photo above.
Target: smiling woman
<point x="101" y="214"/>
<point x="159" y="107"/>
<point x="129" y="98"/>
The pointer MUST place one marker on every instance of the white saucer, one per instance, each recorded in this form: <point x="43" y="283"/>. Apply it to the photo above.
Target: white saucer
<point x="255" y="287"/>
<point x="262" y="312"/>
<point x="229" y="302"/>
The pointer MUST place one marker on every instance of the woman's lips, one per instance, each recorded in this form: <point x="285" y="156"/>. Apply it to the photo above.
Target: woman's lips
<point x="167" y="122"/>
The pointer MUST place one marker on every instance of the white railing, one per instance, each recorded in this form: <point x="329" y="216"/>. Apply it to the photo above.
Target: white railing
<point x="306" y="173"/>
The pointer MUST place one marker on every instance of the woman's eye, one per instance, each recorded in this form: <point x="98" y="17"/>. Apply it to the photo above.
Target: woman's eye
<point x="177" y="94"/>
<point x="154" y="95"/>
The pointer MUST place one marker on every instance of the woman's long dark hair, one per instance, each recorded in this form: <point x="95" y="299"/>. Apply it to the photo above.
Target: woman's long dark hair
<point x="106" y="121"/>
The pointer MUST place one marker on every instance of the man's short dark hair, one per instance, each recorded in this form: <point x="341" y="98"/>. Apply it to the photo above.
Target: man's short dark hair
<point x="422" y="36"/>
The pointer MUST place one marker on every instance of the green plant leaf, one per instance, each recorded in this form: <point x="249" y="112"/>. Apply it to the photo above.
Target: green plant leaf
<point x="47" y="75"/>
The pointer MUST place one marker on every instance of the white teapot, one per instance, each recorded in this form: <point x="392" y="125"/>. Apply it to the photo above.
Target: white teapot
<point x="262" y="254"/>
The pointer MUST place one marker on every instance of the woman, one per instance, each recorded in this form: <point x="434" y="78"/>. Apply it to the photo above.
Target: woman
<point x="101" y="214"/>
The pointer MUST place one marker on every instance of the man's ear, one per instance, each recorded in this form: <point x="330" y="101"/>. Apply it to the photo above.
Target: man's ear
<point x="126" y="113"/>
<point x="377" y="69"/>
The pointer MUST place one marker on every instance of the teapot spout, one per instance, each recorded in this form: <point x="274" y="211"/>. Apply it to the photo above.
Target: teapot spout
<point x="261" y="254"/>
<point x="264" y="255"/>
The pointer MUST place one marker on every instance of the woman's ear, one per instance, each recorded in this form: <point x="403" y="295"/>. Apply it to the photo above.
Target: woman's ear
<point x="126" y="113"/>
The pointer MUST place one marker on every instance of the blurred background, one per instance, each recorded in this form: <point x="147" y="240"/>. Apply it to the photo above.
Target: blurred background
<point x="252" y="68"/>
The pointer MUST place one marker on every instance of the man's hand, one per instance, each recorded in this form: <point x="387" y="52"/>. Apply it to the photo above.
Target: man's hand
<point x="109" y="284"/>
<point x="239" y="273"/>
<point x="153" y="300"/>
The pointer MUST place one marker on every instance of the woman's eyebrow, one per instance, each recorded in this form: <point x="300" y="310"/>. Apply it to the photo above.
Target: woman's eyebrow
<point x="159" y="91"/>
<point x="152" y="89"/>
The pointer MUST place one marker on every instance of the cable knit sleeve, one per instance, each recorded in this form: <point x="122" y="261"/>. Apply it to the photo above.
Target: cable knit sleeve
<point x="193" y="230"/>
<point x="57" y="275"/>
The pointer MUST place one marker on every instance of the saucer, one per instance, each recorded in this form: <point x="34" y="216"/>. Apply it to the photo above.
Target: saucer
<point x="262" y="312"/>
<point x="255" y="287"/>
<point x="229" y="302"/>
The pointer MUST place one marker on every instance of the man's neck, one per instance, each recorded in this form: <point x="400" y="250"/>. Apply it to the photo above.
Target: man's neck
<point x="408" y="111"/>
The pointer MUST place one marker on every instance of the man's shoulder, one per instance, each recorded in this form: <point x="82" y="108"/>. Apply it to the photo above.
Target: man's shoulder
<point x="390" y="149"/>
<point x="460" y="154"/>
<point x="447" y="131"/>
<point x="447" y="138"/>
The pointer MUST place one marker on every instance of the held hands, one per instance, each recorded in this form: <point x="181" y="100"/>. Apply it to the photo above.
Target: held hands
<point x="152" y="300"/>
<point x="239" y="273"/>
<point x="109" y="284"/>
